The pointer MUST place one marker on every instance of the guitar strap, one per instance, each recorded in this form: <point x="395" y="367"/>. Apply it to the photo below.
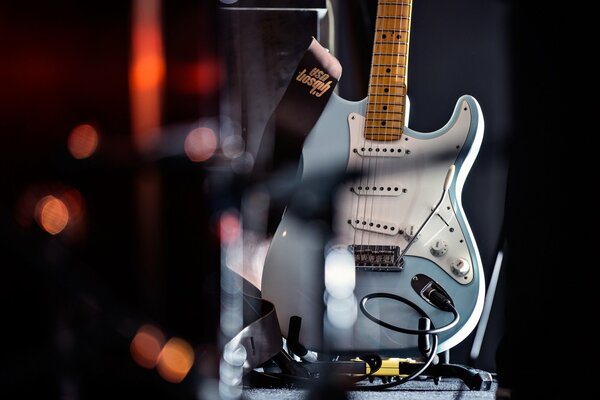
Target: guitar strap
<point x="301" y="106"/>
<point x="260" y="340"/>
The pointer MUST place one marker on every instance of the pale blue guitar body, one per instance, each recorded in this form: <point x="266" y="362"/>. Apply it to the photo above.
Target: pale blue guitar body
<point x="402" y="183"/>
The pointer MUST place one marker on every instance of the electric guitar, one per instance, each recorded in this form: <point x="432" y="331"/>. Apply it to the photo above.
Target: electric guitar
<point x="403" y="178"/>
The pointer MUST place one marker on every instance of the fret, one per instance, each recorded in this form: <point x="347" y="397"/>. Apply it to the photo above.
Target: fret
<point x="385" y="84"/>
<point x="390" y="75"/>
<point x="381" y="131"/>
<point x="387" y="95"/>
<point x="382" y="119"/>
<point x="386" y="3"/>
<point x="393" y="24"/>
<point x="389" y="17"/>
<point x="389" y="59"/>
<point x="385" y="102"/>
<point x="387" y="72"/>
<point x="390" y="54"/>
<point x="397" y="132"/>
<point x="392" y="43"/>
<point x="381" y="115"/>
<point x="383" y="137"/>
<point x="390" y="30"/>
<point x="378" y="93"/>
<point x="390" y="49"/>
<point x="389" y="65"/>
<point x="385" y="109"/>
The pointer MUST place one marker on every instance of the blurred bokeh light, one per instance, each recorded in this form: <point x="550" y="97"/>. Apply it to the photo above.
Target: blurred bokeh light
<point x="82" y="141"/>
<point x="229" y="227"/>
<point x="200" y="144"/>
<point x="52" y="214"/>
<point x="147" y="345"/>
<point x="175" y="361"/>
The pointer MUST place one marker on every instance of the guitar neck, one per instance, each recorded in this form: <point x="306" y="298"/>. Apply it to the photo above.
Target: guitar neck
<point x="389" y="67"/>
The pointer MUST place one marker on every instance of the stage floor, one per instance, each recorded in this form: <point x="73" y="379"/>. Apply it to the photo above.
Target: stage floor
<point x="415" y="390"/>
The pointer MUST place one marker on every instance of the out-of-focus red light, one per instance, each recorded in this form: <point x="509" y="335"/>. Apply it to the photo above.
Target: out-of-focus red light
<point x="175" y="361"/>
<point x="74" y="202"/>
<point x="83" y="141"/>
<point x="229" y="227"/>
<point x="146" y="346"/>
<point x="202" y="77"/>
<point x="52" y="214"/>
<point x="200" y="144"/>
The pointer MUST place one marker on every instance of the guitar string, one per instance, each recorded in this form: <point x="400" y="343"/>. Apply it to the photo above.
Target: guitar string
<point x="385" y="38"/>
<point x="380" y="36"/>
<point x="358" y="189"/>
<point x="388" y="37"/>
<point x="370" y="197"/>
<point x="380" y="28"/>
<point x="402" y="77"/>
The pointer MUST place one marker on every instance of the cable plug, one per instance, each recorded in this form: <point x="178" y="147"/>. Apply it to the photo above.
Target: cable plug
<point x="439" y="299"/>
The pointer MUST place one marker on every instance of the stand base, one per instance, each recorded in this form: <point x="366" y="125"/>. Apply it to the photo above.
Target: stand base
<point x="295" y="374"/>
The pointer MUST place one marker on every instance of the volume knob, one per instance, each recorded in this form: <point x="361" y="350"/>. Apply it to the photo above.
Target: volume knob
<point x="460" y="267"/>
<point x="439" y="248"/>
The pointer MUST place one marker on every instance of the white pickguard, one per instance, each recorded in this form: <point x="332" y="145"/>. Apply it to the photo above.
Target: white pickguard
<point x="416" y="180"/>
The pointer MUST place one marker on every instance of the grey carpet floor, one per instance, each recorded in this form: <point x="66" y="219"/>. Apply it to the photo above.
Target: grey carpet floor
<point x="417" y="390"/>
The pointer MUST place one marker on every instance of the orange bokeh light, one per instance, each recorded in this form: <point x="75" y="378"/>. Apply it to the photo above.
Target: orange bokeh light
<point x="200" y="144"/>
<point x="148" y="71"/>
<point x="83" y="141"/>
<point x="52" y="214"/>
<point x="146" y="346"/>
<point x="175" y="361"/>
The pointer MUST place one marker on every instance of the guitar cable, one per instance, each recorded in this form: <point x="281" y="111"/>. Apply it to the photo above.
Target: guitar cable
<point x="436" y="297"/>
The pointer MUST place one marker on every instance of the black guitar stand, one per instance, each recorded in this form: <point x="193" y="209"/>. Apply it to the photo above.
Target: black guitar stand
<point x="295" y="374"/>
<point x="284" y="371"/>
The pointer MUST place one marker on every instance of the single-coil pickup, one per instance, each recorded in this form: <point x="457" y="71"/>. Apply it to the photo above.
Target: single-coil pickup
<point x="381" y="151"/>
<point x="378" y="190"/>
<point x="374" y="226"/>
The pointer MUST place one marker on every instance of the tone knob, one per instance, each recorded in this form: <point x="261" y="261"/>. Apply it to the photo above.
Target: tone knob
<point x="409" y="232"/>
<point x="460" y="267"/>
<point x="439" y="248"/>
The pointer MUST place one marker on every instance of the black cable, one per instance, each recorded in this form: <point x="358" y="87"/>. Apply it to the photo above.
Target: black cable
<point x="449" y="307"/>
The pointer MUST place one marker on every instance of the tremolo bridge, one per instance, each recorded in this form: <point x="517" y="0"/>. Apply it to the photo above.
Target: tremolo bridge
<point x="377" y="258"/>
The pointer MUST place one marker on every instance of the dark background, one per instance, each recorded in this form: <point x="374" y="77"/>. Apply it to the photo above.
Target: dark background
<point x="71" y="303"/>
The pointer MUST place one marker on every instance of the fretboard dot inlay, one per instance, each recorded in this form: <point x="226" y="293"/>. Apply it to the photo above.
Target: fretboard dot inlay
<point x="386" y="90"/>
<point x="383" y="123"/>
